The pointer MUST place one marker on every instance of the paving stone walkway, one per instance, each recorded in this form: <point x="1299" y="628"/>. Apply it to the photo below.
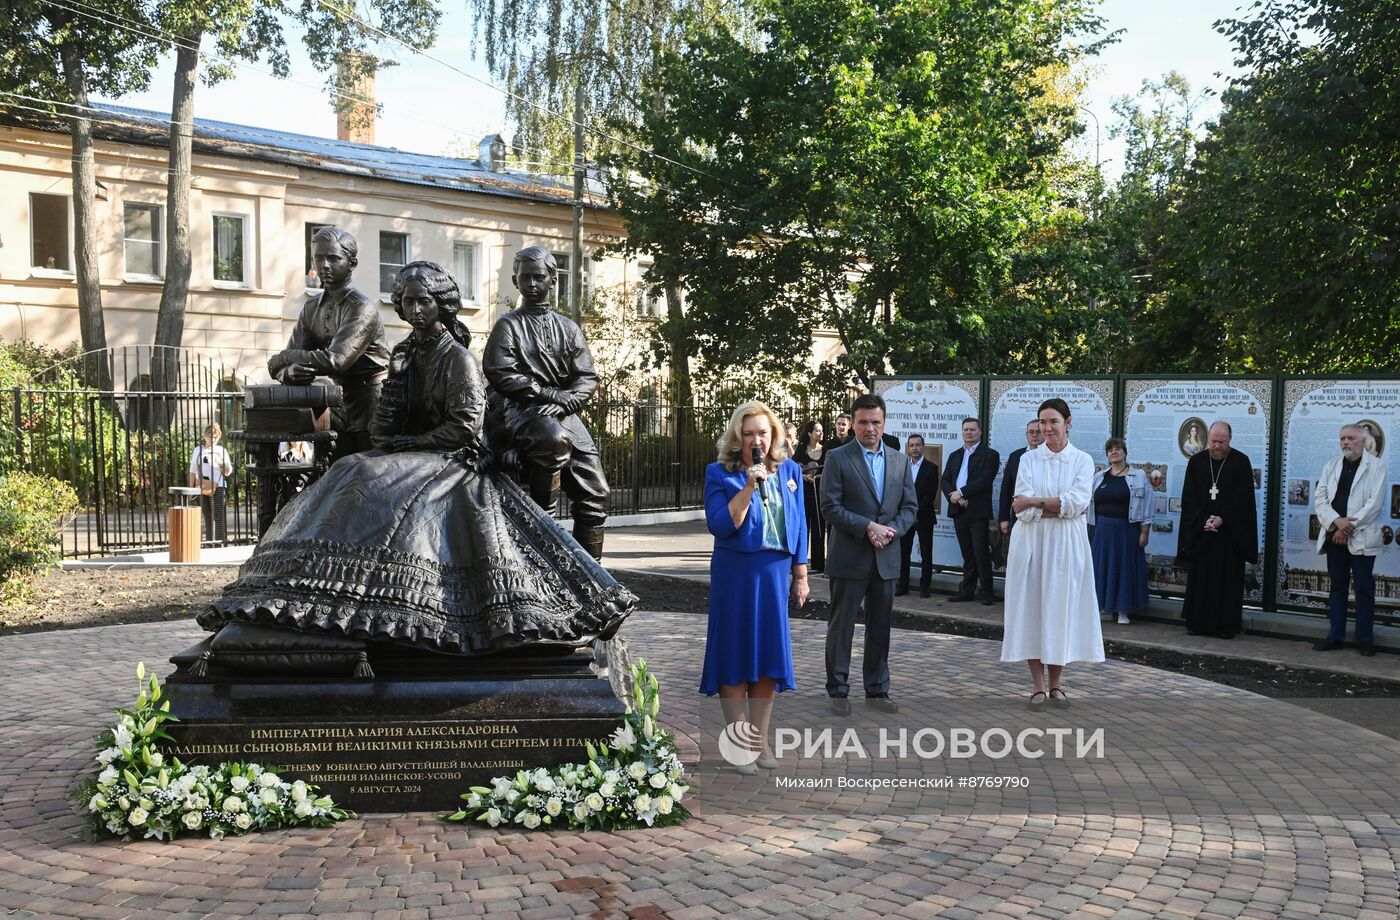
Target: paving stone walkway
<point x="1210" y="802"/>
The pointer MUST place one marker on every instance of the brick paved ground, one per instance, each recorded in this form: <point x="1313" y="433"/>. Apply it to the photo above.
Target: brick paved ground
<point x="1211" y="803"/>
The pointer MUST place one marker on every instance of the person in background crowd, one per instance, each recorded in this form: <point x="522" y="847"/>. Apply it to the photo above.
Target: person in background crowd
<point x="868" y="499"/>
<point x="792" y="438"/>
<point x="755" y="512"/>
<point x="1219" y="535"/>
<point x="1006" y="521"/>
<point x="210" y="467"/>
<point x="925" y="474"/>
<point x="811" y="455"/>
<point x="1051" y="613"/>
<point x="843" y="430"/>
<point x="1120" y="521"/>
<point x="313" y="280"/>
<point x="967" y="484"/>
<point x="1348" y="506"/>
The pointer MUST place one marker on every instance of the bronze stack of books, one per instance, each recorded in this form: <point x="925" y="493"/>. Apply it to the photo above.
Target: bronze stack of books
<point x="288" y="438"/>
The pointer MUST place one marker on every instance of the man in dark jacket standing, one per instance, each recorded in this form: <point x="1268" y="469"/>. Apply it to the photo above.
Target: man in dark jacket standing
<point x="925" y="475"/>
<point x="967" y="484"/>
<point x="1006" y="520"/>
<point x="868" y="500"/>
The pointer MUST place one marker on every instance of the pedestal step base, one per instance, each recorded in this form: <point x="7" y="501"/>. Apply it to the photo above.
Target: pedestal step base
<point x="400" y="743"/>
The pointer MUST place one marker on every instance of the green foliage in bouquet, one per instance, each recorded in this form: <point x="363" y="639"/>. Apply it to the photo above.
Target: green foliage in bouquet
<point x="142" y="792"/>
<point x="638" y="780"/>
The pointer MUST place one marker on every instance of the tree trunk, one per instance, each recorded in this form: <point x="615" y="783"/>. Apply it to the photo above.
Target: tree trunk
<point x="91" y="327"/>
<point x="678" y="343"/>
<point x="170" y="321"/>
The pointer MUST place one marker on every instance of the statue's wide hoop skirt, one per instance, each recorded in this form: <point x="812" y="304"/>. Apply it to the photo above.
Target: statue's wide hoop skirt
<point x="419" y="548"/>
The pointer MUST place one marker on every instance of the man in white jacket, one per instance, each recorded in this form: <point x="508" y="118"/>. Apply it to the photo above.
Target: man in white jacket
<point x="1348" y="503"/>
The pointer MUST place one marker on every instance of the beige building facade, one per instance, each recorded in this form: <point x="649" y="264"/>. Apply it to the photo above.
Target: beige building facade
<point x="257" y="196"/>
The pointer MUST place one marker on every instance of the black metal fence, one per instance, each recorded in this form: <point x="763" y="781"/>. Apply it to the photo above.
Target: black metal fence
<point x="122" y="451"/>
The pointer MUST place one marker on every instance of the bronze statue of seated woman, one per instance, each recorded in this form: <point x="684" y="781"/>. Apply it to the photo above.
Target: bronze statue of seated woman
<point x="417" y="544"/>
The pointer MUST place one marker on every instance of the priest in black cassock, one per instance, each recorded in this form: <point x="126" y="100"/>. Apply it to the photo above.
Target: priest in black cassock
<point x="1219" y="534"/>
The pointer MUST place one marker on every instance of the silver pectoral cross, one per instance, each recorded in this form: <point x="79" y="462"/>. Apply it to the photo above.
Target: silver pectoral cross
<point x="1214" y="493"/>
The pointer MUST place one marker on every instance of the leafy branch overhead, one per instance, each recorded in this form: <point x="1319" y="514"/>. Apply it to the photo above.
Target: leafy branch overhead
<point x="867" y="167"/>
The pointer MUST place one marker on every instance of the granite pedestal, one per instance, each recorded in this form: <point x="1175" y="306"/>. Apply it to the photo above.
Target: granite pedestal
<point x="412" y="738"/>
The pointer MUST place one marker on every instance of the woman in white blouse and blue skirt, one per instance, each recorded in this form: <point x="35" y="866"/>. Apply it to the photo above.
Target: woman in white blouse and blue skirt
<point x="1120" y="518"/>
<point x="1052" y="613"/>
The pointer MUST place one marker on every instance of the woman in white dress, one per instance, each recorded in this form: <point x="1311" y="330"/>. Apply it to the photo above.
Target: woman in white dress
<point x="1052" y="611"/>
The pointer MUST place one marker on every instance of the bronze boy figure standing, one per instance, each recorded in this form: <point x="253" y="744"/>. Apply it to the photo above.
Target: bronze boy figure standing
<point x="541" y="374"/>
<point x="338" y="335"/>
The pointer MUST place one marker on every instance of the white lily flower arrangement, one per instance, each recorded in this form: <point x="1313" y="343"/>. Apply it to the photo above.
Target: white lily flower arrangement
<point x="144" y="792"/>
<point x="636" y="780"/>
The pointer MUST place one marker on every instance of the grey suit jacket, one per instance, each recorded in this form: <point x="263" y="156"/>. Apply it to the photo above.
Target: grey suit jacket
<point x="848" y="504"/>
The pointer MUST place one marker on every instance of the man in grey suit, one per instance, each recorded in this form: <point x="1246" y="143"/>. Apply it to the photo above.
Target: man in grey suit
<point x="868" y="498"/>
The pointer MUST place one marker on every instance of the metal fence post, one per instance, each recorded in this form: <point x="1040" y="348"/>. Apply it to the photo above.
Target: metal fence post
<point x="680" y="455"/>
<point x="19" y="438"/>
<point x="636" y="459"/>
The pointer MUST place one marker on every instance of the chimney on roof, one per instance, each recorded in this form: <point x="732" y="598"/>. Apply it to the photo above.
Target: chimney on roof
<point x="491" y="152"/>
<point x="355" y="106"/>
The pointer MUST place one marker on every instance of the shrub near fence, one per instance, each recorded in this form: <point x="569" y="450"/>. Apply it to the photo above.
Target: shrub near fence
<point x="33" y="510"/>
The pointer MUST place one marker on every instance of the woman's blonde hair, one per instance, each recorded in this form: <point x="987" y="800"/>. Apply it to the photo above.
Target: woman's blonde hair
<point x="731" y="443"/>
<point x="213" y="429"/>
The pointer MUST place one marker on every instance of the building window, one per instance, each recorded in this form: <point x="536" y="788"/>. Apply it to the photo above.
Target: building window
<point x="464" y="261"/>
<point x="142" y="239"/>
<point x="229" y="237"/>
<point x="650" y="302"/>
<point x="393" y="255"/>
<point x="310" y="232"/>
<point x="562" y="283"/>
<point x="51" y="243"/>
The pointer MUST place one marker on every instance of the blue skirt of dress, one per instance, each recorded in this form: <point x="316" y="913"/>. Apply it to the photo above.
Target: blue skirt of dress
<point x="748" y="635"/>
<point x="1120" y="565"/>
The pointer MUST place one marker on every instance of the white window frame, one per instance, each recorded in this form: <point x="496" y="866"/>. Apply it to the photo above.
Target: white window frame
<point x="470" y="289"/>
<point x="561" y="282"/>
<point x="648" y="305"/>
<point x="245" y="284"/>
<point x="39" y="271"/>
<point x="160" y="242"/>
<point x="387" y="296"/>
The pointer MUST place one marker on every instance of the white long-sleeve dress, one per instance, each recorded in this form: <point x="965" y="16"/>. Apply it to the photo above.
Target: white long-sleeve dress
<point x="1052" y="612"/>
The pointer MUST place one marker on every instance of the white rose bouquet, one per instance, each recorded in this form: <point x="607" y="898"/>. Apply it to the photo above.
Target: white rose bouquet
<point x="142" y="791"/>
<point x="638" y="780"/>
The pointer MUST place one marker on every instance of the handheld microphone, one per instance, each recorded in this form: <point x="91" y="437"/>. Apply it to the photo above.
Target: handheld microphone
<point x="758" y="462"/>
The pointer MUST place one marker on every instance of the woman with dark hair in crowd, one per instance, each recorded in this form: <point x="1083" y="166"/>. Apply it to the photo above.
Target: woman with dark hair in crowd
<point x="1052" y="614"/>
<point x="1120" y="521"/>
<point x="753" y="507"/>
<point x="811" y="456"/>
<point x="416" y="542"/>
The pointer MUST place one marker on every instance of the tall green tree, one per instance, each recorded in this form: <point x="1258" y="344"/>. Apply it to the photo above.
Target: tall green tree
<point x="240" y="30"/>
<point x="52" y="52"/>
<point x="547" y="51"/>
<point x="1287" y="241"/>
<point x="868" y="166"/>
<point x="247" y="30"/>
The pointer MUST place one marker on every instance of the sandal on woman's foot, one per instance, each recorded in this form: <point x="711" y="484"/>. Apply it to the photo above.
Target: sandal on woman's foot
<point x="1037" y="702"/>
<point x="1061" y="701"/>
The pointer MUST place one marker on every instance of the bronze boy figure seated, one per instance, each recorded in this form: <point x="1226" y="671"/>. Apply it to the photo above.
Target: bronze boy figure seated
<point x="541" y="374"/>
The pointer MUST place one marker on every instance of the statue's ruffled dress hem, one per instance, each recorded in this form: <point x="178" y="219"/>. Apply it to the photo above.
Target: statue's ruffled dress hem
<point x="419" y="548"/>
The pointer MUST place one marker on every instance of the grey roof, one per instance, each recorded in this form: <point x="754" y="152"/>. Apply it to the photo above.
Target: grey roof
<point x="150" y="128"/>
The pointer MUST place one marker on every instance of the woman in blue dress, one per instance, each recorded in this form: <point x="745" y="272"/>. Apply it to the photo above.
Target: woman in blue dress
<point x="1121" y="517"/>
<point x="754" y="508"/>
